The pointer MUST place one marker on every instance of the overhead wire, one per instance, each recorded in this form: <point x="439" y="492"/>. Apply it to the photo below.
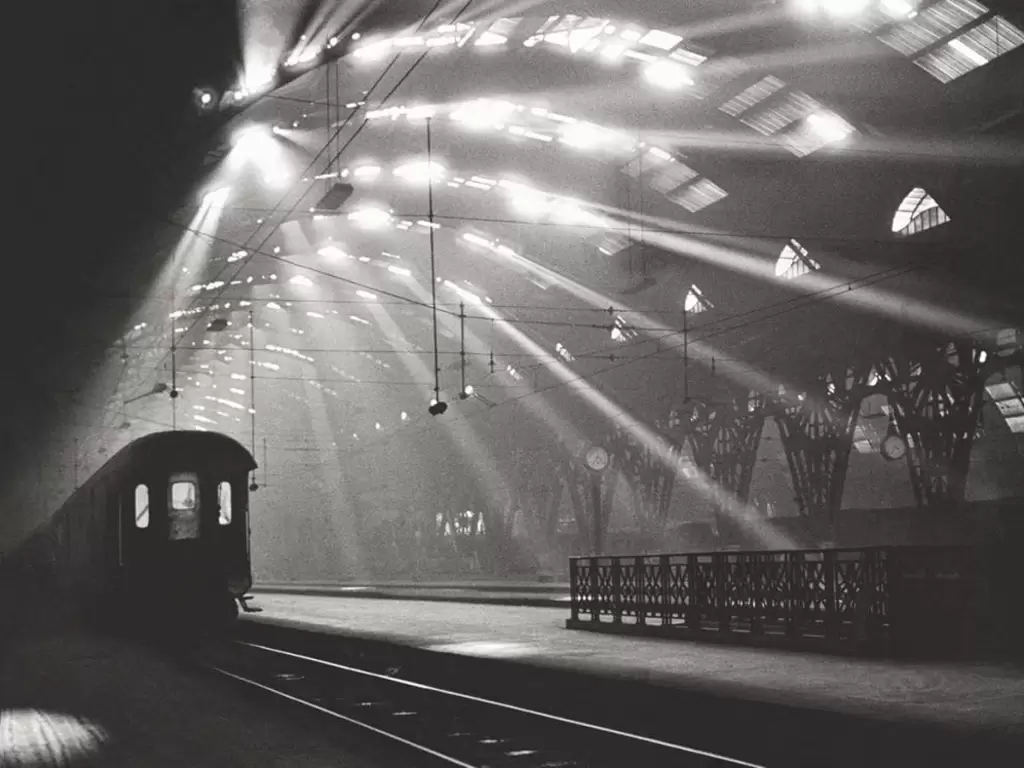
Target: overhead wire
<point x="338" y="132"/>
<point x="548" y="388"/>
<point x="400" y="299"/>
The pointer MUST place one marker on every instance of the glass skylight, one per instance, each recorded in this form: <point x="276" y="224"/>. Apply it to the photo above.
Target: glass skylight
<point x="672" y="177"/>
<point x="613" y="242"/>
<point x="752" y="96"/>
<point x="794" y="261"/>
<point x="698" y="195"/>
<point x="1007" y="397"/>
<point x="946" y="39"/>
<point x="695" y="301"/>
<point x="974" y="48"/>
<point x="622" y="330"/>
<point x="917" y="212"/>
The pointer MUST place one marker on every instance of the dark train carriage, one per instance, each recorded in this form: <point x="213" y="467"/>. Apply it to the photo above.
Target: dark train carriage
<point x="161" y="531"/>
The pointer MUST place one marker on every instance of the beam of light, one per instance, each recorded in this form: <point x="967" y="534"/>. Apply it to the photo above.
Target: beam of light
<point x="330" y="21"/>
<point x="372" y="52"/>
<point x="805" y="55"/>
<point x="582" y="135"/>
<point x="420" y="172"/>
<point x="667" y="75"/>
<point x="484" y="113"/>
<point x="743" y="514"/>
<point x="187" y="261"/>
<point x="844" y="9"/>
<point x="264" y="35"/>
<point x="748" y="376"/>
<point x="830" y="127"/>
<point x="333" y="490"/>
<point x="562" y="429"/>
<point x="898" y="9"/>
<point x="333" y="252"/>
<point x="947" y="151"/>
<point x="763" y="17"/>
<point x="257" y="146"/>
<point x="474" y="451"/>
<point x="366" y="172"/>
<point x="486" y="13"/>
<point x="217" y="198"/>
<point x="870" y="299"/>
<point x="370" y="218"/>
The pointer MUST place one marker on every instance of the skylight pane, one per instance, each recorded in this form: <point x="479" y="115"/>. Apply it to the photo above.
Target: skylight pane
<point x="817" y="131"/>
<point x="932" y="24"/>
<point x="1015" y="423"/>
<point x="612" y="242"/>
<point x="699" y="195"/>
<point x="659" y="39"/>
<point x="538" y="35"/>
<point x="672" y="177"/>
<point x="794" y="261"/>
<point x="796" y="105"/>
<point x="687" y="57"/>
<point x="917" y="212"/>
<point x="972" y="49"/>
<point x="503" y="27"/>
<point x="944" y="64"/>
<point x="695" y="301"/>
<point x="752" y="96"/>
<point x="652" y="157"/>
<point x="993" y="38"/>
<point x="1011" y="407"/>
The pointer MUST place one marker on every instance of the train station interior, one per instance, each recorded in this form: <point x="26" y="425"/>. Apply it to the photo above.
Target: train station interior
<point x="664" y="352"/>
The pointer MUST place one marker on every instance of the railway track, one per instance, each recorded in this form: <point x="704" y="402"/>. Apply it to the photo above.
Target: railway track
<point x="448" y="727"/>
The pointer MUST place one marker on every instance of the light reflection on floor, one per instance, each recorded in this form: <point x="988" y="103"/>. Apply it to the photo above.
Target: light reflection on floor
<point x="491" y="649"/>
<point x="30" y="737"/>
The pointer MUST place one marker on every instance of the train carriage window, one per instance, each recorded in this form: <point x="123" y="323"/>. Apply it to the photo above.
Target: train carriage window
<point x="183" y="507"/>
<point x="224" y="501"/>
<point x="141" y="506"/>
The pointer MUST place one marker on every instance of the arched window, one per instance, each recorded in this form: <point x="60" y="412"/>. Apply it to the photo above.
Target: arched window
<point x="794" y="261"/>
<point x="696" y="302"/>
<point x="917" y="212"/>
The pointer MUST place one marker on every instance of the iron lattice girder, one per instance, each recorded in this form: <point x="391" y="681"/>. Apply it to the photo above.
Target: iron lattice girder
<point x="817" y="435"/>
<point x="936" y="396"/>
<point x="724" y="438"/>
<point x="650" y="477"/>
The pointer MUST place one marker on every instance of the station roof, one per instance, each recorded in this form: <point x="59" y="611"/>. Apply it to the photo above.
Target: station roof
<point x="783" y="180"/>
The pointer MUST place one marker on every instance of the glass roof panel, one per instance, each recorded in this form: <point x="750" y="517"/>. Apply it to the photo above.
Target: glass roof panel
<point x="698" y="195"/>
<point x="752" y="96"/>
<point x="974" y="48"/>
<point x="794" y="261"/>
<point x="932" y="24"/>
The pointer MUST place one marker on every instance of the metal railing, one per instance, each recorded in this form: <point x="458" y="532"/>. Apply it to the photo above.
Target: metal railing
<point x="864" y="598"/>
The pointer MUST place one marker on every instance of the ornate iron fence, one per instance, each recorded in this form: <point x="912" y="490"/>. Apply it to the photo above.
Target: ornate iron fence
<point x="871" y="598"/>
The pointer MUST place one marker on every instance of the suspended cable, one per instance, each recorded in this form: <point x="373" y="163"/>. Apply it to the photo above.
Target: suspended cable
<point x="433" y="265"/>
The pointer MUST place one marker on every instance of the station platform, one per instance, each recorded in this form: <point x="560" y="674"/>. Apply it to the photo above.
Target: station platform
<point x="983" y="698"/>
<point x="70" y="697"/>
<point x="537" y="594"/>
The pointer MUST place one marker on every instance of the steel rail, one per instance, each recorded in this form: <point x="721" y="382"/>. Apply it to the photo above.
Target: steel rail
<point x="683" y="751"/>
